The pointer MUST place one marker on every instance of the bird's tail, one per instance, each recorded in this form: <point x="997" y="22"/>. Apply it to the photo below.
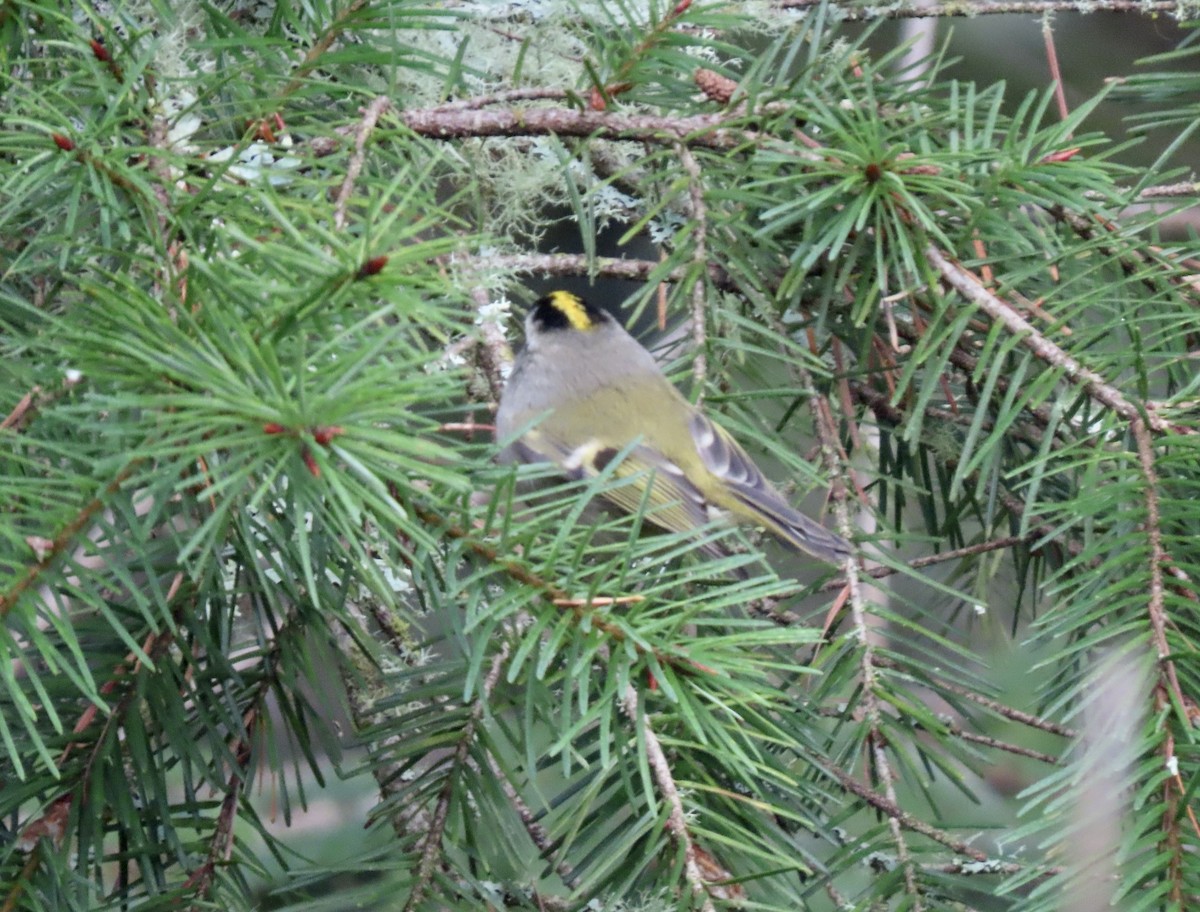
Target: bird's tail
<point x="811" y="537"/>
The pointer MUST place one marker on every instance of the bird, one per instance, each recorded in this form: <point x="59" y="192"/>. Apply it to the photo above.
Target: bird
<point x="583" y="391"/>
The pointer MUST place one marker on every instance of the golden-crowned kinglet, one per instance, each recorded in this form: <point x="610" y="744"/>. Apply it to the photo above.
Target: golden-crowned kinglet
<point x="583" y="390"/>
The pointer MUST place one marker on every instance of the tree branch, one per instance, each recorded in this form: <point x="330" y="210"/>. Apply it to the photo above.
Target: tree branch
<point x="1001" y="709"/>
<point x="713" y="131"/>
<point x="354" y="166"/>
<point x="437" y="824"/>
<point x="63" y="539"/>
<point x="971" y="8"/>
<point x="898" y="817"/>
<point x="827" y="435"/>
<point x="971" y="288"/>
<point x="929" y="560"/>
<point x="699" y="214"/>
<point x="578" y="264"/>
<point x="676" y="819"/>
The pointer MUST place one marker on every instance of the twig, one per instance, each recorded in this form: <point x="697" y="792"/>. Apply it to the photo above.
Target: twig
<point x="1168" y="191"/>
<point x="220" y="848"/>
<point x="51" y="824"/>
<point x="884" y="410"/>
<point x="154" y="647"/>
<point x="156" y="164"/>
<point x="533" y="828"/>
<point x="849" y="13"/>
<point x="880" y="572"/>
<point x="492" y="350"/>
<point x="241" y="750"/>
<point x="27" y="406"/>
<point x="955" y="729"/>
<point x="823" y="423"/>
<point x="416" y="820"/>
<point x="577" y="264"/>
<point x="437" y="823"/>
<point x="879" y="403"/>
<point x="898" y="816"/>
<point x="978" y="868"/>
<point x="365" y="713"/>
<point x="27" y="871"/>
<point x="970" y="287"/>
<point x="63" y="539"/>
<point x="354" y="166"/>
<point x="1007" y="746"/>
<point x="1001" y="709"/>
<point x="676" y="819"/>
<point x="1132" y="262"/>
<point x="699" y="214"/>
<point x="1060" y="95"/>
<point x="713" y="131"/>
<point x="548" y="590"/>
<point x="321" y="45"/>
<point x="961" y="358"/>
<point x="536" y="832"/>
<point x="1155" y="605"/>
<point x="599" y="601"/>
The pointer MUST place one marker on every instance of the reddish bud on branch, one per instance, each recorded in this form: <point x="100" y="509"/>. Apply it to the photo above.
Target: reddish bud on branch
<point x="371" y="267"/>
<point x="310" y="462"/>
<point x="323" y="435"/>
<point x="1062" y="155"/>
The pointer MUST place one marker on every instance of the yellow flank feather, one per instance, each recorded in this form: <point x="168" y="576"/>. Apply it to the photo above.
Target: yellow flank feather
<point x="572" y="308"/>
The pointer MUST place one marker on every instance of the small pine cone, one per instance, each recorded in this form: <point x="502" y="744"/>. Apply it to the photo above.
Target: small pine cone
<point x="717" y="87"/>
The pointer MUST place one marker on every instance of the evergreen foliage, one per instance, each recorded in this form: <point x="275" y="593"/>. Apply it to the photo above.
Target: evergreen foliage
<point x="255" y="270"/>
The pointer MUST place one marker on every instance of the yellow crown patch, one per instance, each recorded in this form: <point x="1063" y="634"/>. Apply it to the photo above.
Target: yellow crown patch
<point x="571" y="307"/>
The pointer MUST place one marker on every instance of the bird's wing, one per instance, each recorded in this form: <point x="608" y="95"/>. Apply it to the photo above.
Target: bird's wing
<point x="724" y="457"/>
<point x="673" y="502"/>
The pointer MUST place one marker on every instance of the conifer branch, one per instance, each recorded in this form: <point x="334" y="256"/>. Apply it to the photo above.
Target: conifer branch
<point x="65" y="537"/>
<point x="929" y="560"/>
<point x="1156" y="607"/>
<point x="220" y="843"/>
<point x="529" y="93"/>
<point x="119" y="187"/>
<point x="660" y="767"/>
<point x="578" y="264"/>
<point x="954" y="727"/>
<point x="1151" y="265"/>
<point x="370" y="117"/>
<point x="312" y="57"/>
<point x="51" y="823"/>
<point x="970" y="287"/>
<point x="712" y="131"/>
<point x="1000" y="709"/>
<point x="898" y="817"/>
<point x="1007" y="746"/>
<point x="699" y="214"/>
<point x="971" y="8"/>
<point x="431" y="848"/>
<point x="823" y="422"/>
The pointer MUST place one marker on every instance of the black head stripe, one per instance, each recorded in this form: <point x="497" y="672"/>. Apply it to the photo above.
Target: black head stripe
<point x="563" y="310"/>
